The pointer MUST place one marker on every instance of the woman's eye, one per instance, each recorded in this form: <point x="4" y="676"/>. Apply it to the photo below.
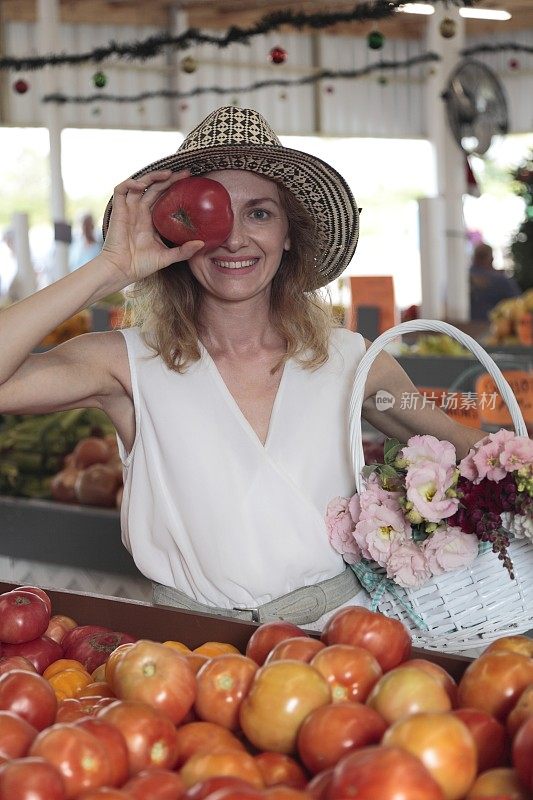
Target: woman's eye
<point x="260" y="213"/>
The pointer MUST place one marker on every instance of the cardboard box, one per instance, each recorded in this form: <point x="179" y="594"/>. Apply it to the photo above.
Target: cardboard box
<point x="162" y="623"/>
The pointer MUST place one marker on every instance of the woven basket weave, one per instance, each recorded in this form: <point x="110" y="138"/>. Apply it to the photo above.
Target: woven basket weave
<point x="471" y="607"/>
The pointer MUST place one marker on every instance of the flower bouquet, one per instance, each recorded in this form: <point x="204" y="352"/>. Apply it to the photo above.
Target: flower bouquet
<point x="427" y="536"/>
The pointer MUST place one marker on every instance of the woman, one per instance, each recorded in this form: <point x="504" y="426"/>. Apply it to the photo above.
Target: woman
<point x="231" y="402"/>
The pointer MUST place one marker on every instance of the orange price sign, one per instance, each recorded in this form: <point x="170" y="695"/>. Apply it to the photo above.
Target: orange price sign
<point x="493" y="410"/>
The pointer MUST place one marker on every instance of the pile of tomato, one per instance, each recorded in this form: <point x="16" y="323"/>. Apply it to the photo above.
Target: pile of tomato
<point x="90" y="713"/>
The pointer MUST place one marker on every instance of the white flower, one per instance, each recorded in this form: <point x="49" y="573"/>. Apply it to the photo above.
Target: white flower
<point x="520" y="526"/>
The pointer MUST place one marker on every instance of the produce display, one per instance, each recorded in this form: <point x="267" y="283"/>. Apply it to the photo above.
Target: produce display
<point x="91" y="713"/>
<point x="74" y="326"/>
<point x="511" y="321"/>
<point x="80" y="445"/>
<point x="438" y="344"/>
<point x="194" y="208"/>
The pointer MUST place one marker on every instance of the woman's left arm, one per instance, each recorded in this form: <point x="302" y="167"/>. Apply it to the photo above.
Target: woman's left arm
<point x="407" y="413"/>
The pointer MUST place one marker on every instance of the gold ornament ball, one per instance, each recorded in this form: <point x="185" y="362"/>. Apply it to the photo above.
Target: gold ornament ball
<point x="447" y="28"/>
<point x="189" y="65"/>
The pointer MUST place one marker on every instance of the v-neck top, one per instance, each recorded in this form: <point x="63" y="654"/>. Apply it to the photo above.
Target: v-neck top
<point x="210" y="510"/>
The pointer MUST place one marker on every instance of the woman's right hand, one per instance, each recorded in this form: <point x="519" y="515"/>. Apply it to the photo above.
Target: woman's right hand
<point x="132" y="244"/>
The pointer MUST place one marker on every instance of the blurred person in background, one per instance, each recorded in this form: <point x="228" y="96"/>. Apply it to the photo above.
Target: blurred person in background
<point x="86" y="245"/>
<point x="487" y="285"/>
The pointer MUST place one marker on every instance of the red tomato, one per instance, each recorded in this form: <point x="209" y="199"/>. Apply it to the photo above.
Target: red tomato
<point x="16" y="735"/>
<point x="328" y="733"/>
<point x="80" y="632"/>
<point x="407" y="690"/>
<point x="489" y="736"/>
<point x="387" y="639"/>
<point x="23" y="616"/>
<point x="152" y="673"/>
<point x="318" y="787"/>
<point x="196" y="737"/>
<point x="95" y="649"/>
<point x="194" y="208"/>
<point x="237" y="793"/>
<point x="282" y="694"/>
<point x="69" y="710"/>
<point x="278" y="768"/>
<point x="221" y="684"/>
<point x="30" y="779"/>
<point x="206" y="788"/>
<point x="150" y="735"/>
<point x="494" y="682"/>
<point x="40" y="593"/>
<point x="78" y="756"/>
<point x="351" y="671"/>
<point x="522" y="710"/>
<point x="387" y="773"/>
<point x="522" y="753"/>
<point x="105" y="793"/>
<point x="503" y="782"/>
<point x="439" y="673"/>
<point x="300" y="648"/>
<point x="443" y="744"/>
<point x="155" y="784"/>
<point x="29" y="696"/>
<point x="115" y="745"/>
<point x="7" y="663"/>
<point x="41" y="652"/>
<point x="267" y="636"/>
<point x="237" y="763"/>
<point x="285" y="793"/>
<point x="59" y="626"/>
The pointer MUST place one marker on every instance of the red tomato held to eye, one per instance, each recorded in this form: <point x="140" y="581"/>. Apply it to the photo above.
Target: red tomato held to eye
<point x="387" y="639"/>
<point x="386" y="773"/>
<point x="194" y="208"/>
<point x="30" y="778"/>
<point x="23" y="616"/>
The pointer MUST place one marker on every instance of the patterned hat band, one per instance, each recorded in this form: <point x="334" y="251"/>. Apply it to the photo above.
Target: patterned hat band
<point x="240" y="138"/>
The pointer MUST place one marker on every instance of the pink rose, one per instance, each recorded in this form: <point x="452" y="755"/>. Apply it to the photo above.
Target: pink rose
<point x="407" y="566"/>
<point x="374" y="494"/>
<point x="448" y="548"/>
<point x="517" y="454"/>
<point x="426" y="489"/>
<point x="354" y="507"/>
<point x="340" y="527"/>
<point x="421" y="449"/>
<point x="380" y="529"/>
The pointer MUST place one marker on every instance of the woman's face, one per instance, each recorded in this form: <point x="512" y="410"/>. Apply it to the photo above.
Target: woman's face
<point x="243" y="266"/>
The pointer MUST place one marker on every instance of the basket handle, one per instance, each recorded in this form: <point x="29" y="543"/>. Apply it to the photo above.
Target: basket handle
<point x="358" y="391"/>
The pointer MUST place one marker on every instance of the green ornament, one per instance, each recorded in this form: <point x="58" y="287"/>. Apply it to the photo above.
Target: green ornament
<point x="447" y="28"/>
<point x="375" y="40"/>
<point x="382" y="80"/>
<point x="99" y="79"/>
<point x="188" y="65"/>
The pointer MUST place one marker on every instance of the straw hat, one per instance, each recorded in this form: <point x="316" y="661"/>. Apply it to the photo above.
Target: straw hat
<point x="240" y="138"/>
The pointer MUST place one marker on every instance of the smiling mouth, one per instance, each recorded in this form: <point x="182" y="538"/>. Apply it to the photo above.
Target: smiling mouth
<point x="235" y="264"/>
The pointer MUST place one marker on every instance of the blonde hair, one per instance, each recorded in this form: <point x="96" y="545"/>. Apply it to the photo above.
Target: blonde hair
<point x="167" y="304"/>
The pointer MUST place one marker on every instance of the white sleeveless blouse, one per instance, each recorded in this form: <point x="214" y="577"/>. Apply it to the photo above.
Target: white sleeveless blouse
<point x="210" y="511"/>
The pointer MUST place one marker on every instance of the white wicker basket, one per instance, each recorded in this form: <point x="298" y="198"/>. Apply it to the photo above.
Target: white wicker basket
<point x="471" y="607"/>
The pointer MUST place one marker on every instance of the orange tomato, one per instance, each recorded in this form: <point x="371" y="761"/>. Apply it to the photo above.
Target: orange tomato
<point x="195" y="661"/>
<point x="522" y="710"/>
<point x="278" y="768"/>
<point x="211" y="649"/>
<point x="179" y="646"/>
<point x="237" y="763"/>
<point x="282" y="694"/>
<point x="99" y="673"/>
<point x="504" y="782"/>
<point x="68" y="682"/>
<point x="221" y="685"/>
<point x="62" y="664"/>
<point x="405" y="691"/>
<point x="96" y="689"/>
<point x="443" y="744"/>
<point x="302" y="648"/>
<point x="511" y="644"/>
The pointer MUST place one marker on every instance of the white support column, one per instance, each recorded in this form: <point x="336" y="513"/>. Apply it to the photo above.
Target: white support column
<point x="48" y="41"/>
<point x="432" y="256"/>
<point x="451" y="178"/>
<point x="25" y="281"/>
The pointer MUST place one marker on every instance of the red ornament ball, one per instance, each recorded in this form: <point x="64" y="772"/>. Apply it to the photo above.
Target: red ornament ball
<point x="278" y="55"/>
<point x="21" y="86"/>
<point x="514" y="63"/>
